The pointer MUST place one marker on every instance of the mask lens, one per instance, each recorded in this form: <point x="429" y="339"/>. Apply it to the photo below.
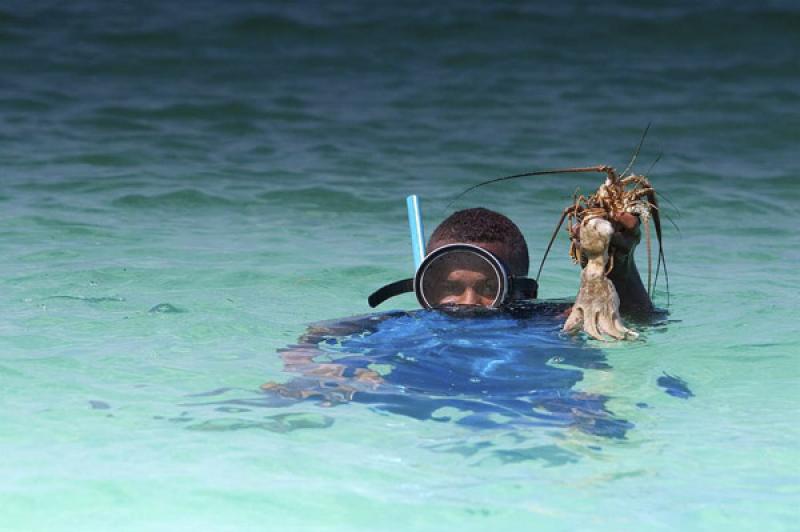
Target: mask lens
<point x="460" y="277"/>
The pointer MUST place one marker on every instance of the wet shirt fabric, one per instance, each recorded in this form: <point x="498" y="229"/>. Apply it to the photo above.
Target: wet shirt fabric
<point x="488" y="368"/>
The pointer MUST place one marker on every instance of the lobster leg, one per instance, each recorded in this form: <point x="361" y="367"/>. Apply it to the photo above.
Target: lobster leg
<point x="651" y="197"/>
<point x="569" y="211"/>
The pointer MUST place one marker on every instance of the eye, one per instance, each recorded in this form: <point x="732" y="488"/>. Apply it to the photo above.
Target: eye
<point x="488" y="288"/>
<point x="452" y="288"/>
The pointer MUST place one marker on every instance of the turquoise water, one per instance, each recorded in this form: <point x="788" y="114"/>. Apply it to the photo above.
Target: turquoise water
<point x="186" y="187"/>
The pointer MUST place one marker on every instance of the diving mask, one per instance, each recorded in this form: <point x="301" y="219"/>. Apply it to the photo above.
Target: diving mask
<point x="460" y="274"/>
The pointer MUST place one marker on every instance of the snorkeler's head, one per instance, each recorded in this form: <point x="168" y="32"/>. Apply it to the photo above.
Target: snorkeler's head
<point x="486" y="229"/>
<point x="475" y="258"/>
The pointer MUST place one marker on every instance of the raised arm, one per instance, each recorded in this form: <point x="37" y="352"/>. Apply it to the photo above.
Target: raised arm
<point x="633" y="298"/>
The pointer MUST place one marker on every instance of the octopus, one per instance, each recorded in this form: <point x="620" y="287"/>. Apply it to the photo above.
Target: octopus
<point x="596" y="308"/>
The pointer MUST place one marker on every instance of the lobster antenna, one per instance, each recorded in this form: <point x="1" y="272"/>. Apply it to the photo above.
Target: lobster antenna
<point x="570" y="213"/>
<point x="658" y="158"/>
<point x="670" y="203"/>
<point x="550" y="244"/>
<point x="638" y="149"/>
<point x="601" y="169"/>
<point x="666" y="275"/>
<point x="678" y="229"/>
<point x="656" y="218"/>
<point x="650" y="286"/>
<point x="662" y="259"/>
<point x="649" y="170"/>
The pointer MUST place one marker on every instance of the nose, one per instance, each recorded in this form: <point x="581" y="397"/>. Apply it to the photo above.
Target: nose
<point x="469" y="297"/>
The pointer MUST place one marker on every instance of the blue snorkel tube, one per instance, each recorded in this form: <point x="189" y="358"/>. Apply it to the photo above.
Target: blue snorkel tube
<point x="417" y="248"/>
<point x="416" y="229"/>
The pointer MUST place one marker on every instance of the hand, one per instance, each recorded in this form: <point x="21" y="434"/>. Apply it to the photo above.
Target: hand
<point x="627" y="233"/>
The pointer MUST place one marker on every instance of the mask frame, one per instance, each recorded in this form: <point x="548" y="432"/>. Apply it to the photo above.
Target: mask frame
<point x="510" y="288"/>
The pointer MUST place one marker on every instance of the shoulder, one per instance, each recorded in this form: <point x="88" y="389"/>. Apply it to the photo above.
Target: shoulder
<point x="322" y="330"/>
<point x="553" y="308"/>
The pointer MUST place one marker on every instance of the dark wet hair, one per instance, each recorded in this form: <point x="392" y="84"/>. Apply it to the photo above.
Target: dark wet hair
<point x="474" y="226"/>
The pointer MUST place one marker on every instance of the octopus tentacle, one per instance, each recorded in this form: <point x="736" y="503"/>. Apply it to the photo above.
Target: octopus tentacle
<point x="596" y="308"/>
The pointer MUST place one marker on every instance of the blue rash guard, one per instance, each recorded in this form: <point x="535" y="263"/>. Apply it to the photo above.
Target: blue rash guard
<point x="484" y="368"/>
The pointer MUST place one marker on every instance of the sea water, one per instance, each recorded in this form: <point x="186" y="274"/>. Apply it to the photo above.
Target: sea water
<point x="187" y="185"/>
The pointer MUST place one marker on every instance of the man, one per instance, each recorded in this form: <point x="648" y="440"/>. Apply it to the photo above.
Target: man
<point x="479" y="257"/>
<point x="496" y="366"/>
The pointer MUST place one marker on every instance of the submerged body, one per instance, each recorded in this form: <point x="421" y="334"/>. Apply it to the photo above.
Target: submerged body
<point x="482" y="368"/>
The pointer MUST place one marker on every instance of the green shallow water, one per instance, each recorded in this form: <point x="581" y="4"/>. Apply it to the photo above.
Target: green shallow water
<point x="186" y="189"/>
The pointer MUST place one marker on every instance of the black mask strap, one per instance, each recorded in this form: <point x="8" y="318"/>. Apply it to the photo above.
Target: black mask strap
<point x="390" y="290"/>
<point x="524" y="288"/>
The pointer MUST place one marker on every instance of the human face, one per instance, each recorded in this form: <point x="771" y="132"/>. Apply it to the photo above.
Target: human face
<point x="466" y="287"/>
